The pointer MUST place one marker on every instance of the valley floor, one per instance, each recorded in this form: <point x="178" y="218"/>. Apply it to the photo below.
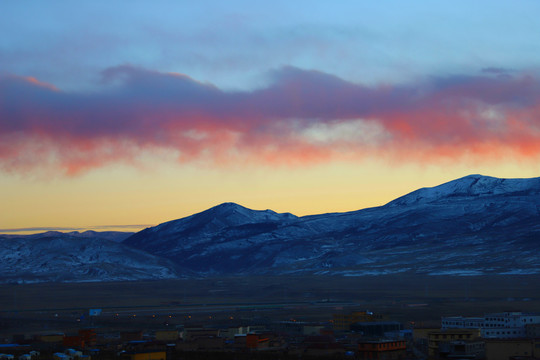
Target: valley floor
<point x="408" y="298"/>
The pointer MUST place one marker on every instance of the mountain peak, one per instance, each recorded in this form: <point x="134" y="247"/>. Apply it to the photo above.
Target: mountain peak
<point x="218" y="218"/>
<point x="232" y="214"/>
<point x="228" y="206"/>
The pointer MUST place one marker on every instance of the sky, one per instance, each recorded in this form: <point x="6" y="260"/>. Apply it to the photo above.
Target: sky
<point x="120" y="115"/>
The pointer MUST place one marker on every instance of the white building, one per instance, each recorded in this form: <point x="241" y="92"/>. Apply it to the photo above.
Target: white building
<point x="460" y="322"/>
<point x="496" y="325"/>
<point x="508" y="324"/>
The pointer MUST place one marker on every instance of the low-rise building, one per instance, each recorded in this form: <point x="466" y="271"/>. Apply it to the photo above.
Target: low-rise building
<point x="460" y="322"/>
<point x="421" y="335"/>
<point x="532" y="331"/>
<point x="461" y="349"/>
<point x="511" y="324"/>
<point x="73" y="341"/>
<point x="88" y="336"/>
<point x="191" y="333"/>
<point x="257" y="341"/>
<point x="438" y="337"/>
<point x="504" y="349"/>
<point x="231" y="332"/>
<point x="508" y="324"/>
<point x="166" y="335"/>
<point x="382" y="349"/>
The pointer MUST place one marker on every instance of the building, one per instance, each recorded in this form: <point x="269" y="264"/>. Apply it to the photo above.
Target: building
<point x="495" y="325"/>
<point x="532" y="331"/>
<point x="460" y="322"/>
<point x="382" y="349"/>
<point x="52" y="338"/>
<point x="461" y="349"/>
<point x="75" y="354"/>
<point x="73" y="341"/>
<point x="231" y="332"/>
<point x="85" y="338"/>
<point x="88" y="336"/>
<point x="504" y="349"/>
<point x="438" y="340"/>
<point x="422" y="334"/>
<point x="166" y="335"/>
<point x="508" y="324"/>
<point x="195" y="332"/>
<point x="257" y="341"/>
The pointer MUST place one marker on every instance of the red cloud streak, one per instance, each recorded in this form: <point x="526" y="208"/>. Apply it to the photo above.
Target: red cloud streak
<point x="301" y="117"/>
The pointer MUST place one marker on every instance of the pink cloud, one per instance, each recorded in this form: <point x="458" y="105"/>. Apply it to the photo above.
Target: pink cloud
<point x="301" y="117"/>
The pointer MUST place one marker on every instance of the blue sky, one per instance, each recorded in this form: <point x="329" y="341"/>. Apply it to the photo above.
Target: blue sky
<point x="137" y="112"/>
<point x="234" y="44"/>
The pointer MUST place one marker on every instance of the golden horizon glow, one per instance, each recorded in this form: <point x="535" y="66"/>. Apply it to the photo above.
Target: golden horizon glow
<point x="119" y="197"/>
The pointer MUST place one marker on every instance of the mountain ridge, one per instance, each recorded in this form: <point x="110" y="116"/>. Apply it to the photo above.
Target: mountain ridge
<point x="474" y="225"/>
<point x="472" y="185"/>
<point x="472" y="208"/>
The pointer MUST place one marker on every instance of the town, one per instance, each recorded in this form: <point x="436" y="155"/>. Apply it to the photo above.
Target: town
<point x="356" y="334"/>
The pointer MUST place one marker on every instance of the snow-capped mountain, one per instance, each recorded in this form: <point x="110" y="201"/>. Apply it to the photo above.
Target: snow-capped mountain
<point x="88" y="256"/>
<point x="225" y="228"/>
<point x="473" y="225"/>
<point x="470" y="226"/>
<point x="472" y="186"/>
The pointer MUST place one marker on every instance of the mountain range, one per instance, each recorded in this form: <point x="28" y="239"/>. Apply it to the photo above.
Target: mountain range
<point x="474" y="225"/>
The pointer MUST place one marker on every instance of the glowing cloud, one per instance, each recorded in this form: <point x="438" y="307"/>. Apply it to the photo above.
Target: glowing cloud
<point x="300" y="117"/>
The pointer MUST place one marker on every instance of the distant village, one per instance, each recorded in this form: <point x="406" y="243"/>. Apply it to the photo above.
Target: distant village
<point x="349" y="335"/>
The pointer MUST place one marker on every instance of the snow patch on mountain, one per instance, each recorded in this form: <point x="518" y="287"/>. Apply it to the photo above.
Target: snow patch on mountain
<point x="470" y="186"/>
<point x="55" y="256"/>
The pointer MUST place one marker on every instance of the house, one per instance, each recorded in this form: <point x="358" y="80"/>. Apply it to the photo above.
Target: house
<point x="438" y="339"/>
<point x="382" y="349"/>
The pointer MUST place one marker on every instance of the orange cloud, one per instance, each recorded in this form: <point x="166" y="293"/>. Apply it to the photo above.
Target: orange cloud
<point x="302" y="117"/>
